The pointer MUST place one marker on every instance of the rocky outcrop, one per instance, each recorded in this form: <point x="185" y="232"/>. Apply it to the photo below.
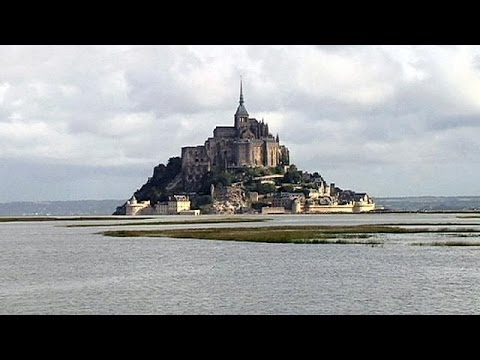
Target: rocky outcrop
<point x="229" y="199"/>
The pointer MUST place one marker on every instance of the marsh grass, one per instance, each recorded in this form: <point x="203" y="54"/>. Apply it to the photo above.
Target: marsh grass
<point x="275" y="234"/>
<point x="447" y="243"/>
<point x="465" y="235"/>
<point x="181" y="222"/>
<point x="256" y="235"/>
<point x="427" y="224"/>
<point x="358" y="234"/>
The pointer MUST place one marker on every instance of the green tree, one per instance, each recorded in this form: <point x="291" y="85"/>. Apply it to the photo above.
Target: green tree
<point x="292" y="176"/>
<point x="266" y="188"/>
<point x="279" y="170"/>
<point x="287" y="188"/>
<point x="201" y="200"/>
<point x="215" y="177"/>
<point x="154" y="188"/>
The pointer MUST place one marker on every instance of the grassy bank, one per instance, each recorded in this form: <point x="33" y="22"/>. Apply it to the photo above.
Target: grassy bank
<point x="181" y="222"/>
<point x="447" y="243"/>
<point x="430" y="224"/>
<point x="252" y="235"/>
<point x="360" y="234"/>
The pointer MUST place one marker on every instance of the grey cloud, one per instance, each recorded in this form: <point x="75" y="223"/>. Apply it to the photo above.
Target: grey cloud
<point x="455" y="121"/>
<point x="158" y="92"/>
<point x="341" y="48"/>
<point x="476" y="62"/>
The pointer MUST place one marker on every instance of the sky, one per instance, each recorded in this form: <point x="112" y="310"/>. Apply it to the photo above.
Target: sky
<point x="91" y="122"/>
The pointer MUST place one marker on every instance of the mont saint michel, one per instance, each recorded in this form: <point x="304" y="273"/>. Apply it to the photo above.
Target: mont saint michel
<point x="242" y="168"/>
<point x="334" y="180"/>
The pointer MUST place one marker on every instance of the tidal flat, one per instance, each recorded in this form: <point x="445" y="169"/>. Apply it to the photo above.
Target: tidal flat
<point x="181" y="222"/>
<point x="55" y="218"/>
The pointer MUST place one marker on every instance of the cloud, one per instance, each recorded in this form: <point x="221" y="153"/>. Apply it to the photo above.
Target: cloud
<point x="368" y="115"/>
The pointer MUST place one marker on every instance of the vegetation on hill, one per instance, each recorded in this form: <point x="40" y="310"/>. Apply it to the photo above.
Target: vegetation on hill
<point x="156" y="188"/>
<point x="292" y="176"/>
<point x="215" y="178"/>
<point x="166" y="180"/>
<point x="159" y="186"/>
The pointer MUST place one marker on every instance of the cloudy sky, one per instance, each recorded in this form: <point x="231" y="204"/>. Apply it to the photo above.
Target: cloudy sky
<point x="91" y="122"/>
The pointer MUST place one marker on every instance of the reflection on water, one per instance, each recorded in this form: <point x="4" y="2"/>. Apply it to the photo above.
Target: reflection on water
<point x="46" y="268"/>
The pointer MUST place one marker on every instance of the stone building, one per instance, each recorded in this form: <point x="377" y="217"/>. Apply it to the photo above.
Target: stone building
<point x="287" y="199"/>
<point x="134" y="207"/>
<point x="248" y="143"/>
<point x="175" y="205"/>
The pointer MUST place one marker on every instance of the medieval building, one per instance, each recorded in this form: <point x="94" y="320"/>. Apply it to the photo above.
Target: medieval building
<point x="248" y="143"/>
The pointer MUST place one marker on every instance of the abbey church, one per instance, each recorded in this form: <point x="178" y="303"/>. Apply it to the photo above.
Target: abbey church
<point x="248" y="143"/>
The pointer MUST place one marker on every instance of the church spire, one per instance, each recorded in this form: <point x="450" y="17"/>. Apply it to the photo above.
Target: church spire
<point x="241" y="92"/>
<point x="242" y="112"/>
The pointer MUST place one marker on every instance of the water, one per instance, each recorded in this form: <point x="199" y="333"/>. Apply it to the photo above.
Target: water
<point x="46" y="268"/>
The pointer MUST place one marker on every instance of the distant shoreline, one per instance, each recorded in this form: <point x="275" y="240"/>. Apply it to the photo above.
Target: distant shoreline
<point x="92" y="217"/>
<point x="386" y="211"/>
<point x="394" y="205"/>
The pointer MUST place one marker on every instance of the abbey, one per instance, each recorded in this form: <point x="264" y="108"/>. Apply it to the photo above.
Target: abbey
<point x="248" y="143"/>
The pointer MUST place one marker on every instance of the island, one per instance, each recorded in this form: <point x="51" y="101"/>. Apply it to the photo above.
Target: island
<point x="240" y="169"/>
